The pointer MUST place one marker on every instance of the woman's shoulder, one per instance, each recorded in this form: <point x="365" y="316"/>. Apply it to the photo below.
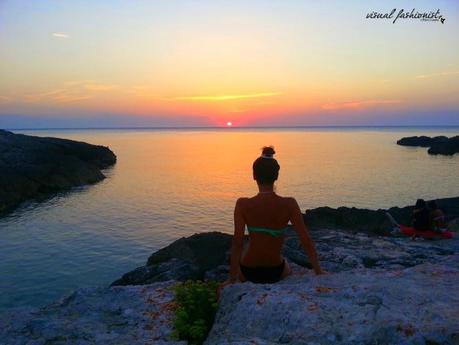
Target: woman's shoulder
<point x="288" y="199"/>
<point x="285" y="199"/>
<point x="242" y="201"/>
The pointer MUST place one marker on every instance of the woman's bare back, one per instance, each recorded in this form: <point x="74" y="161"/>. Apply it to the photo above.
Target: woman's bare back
<point x="270" y="211"/>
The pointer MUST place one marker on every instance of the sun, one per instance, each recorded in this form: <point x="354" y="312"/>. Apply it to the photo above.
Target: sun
<point x="229" y="124"/>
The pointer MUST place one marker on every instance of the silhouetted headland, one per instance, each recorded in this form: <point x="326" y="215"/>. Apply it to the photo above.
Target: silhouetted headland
<point x="34" y="167"/>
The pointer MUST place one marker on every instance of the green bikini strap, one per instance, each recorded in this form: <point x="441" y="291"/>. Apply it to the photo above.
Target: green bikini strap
<point x="274" y="233"/>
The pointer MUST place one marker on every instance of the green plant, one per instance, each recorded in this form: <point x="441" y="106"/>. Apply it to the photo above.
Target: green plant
<point x="196" y="308"/>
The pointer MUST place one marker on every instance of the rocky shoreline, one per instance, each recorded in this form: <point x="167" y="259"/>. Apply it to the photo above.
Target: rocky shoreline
<point x="381" y="289"/>
<point x="36" y="167"/>
<point x="343" y="232"/>
<point x="370" y="221"/>
<point x="439" y="145"/>
<point x="415" y="305"/>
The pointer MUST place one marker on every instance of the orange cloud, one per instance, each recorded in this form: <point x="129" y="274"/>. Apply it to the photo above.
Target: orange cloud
<point x="226" y="97"/>
<point x="439" y="74"/>
<point x="359" y="104"/>
<point x="57" y="96"/>
<point x="100" y="87"/>
<point x="5" y="99"/>
<point x="71" y="91"/>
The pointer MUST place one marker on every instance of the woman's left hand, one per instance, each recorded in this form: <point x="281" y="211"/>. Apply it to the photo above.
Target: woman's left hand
<point x="320" y="271"/>
<point x="223" y="285"/>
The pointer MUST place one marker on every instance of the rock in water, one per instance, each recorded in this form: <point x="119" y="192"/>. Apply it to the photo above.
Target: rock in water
<point x="449" y="147"/>
<point x="187" y="258"/>
<point x="422" y="141"/>
<point x="417" y="305"/>
<point x="33" y="167"/>
<point x="349" y="218"/>
<point x="440" y="145"/>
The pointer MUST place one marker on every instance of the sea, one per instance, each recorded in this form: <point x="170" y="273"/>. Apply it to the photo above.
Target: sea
<point x="174" y="182"/>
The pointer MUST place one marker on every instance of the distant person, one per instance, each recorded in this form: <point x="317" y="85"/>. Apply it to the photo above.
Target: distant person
<point x="266" y="216"/>
<point x="426" y="219"/>
<point x="437" y="218"/>
<point x="421" y="216"/>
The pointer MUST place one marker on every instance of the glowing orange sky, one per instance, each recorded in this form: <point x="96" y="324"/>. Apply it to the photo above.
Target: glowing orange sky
<point x="248" y="63"/>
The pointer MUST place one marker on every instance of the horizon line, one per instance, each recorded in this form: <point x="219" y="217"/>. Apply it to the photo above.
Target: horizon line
<point x="226" y="127"/>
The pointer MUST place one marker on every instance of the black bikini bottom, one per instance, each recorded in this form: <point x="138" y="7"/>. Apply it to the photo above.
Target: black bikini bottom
<point x="263" y="275"/>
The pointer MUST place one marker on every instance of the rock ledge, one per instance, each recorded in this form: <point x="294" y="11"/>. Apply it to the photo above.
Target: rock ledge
<point x="416" y="305"/>
<point x="411" y="306"/>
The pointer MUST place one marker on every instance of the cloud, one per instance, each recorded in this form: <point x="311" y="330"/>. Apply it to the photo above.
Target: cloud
<point x="71" y="91"/>
<point x="5" y="99"/>
<point x="78" y="82"/>
<point x="439" y="74"/>
<point x="64" y="98"/>
<point x="60" y="35"/>
<point x="359" y="104"/>
<point x="57" y="96"/>
<point x="226" y="97"/>
<point x="100" y="87"/>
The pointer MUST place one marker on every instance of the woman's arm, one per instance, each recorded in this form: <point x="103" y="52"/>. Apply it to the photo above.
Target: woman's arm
<point x="298" y="224"/>
<point x="238" y="241"/>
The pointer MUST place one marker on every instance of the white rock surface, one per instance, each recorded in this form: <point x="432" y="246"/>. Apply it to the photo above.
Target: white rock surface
<point x="134" y="315"/>
<point x="384" y="291"/>
<point x="417" y="305"/>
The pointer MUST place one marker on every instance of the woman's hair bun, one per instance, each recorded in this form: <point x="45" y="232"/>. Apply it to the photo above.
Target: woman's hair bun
<point x="265" y="167"/>
<point x="268" y="151"/>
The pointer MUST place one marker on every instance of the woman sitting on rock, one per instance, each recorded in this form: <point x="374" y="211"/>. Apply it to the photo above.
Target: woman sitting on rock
<point x="266" y="216"/>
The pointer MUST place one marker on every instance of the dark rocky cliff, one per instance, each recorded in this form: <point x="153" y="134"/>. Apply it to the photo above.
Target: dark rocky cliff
<point x="34" y="167"/>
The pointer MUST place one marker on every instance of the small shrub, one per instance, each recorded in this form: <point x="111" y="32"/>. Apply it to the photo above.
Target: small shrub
<point x="196" y="309"/>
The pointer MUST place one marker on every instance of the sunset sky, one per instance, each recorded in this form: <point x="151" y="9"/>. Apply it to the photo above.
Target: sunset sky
<point x="204" y="63"/>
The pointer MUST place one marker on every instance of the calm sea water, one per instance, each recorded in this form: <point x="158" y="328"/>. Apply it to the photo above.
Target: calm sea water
<point x="173" y="183"/>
